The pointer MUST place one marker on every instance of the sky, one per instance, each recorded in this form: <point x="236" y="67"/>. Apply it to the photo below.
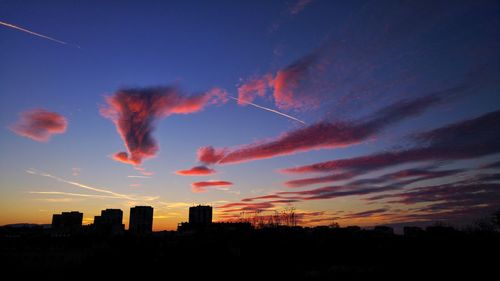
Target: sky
<point x="355" y="112"/>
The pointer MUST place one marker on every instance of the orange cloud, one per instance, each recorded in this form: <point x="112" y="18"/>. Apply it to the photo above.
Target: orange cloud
<point x="39" y="124"/>
<point x="196" y="171"/>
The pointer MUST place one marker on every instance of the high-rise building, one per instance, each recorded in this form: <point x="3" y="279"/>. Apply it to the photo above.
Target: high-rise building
<point x="141" y="220"/>
<point x="200" y="215"/>
<point x="67" y="222"/>
<point x="109" y="222"/>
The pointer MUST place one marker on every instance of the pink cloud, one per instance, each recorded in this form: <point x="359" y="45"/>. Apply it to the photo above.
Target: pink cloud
<point x="254" y="87"/>
<point x="322" y="135"/>
<point x="196" y="171"/>
<point x="201" y="186"/>
<point x="135" y="112"/>
<point x="285" y="85"/>
<point x="287" y="82"/>
<point x="466" y="139"/>
<point x="39" y="124"/>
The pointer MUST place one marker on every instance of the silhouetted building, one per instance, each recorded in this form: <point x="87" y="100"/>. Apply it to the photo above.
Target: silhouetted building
<point x="352" y="228"/>
<point x="186" y="227"/>
<point x="440" y="230"/>
<point x="200" y="215"/>
<point x="412" y="231"/>
<point x="109" y="222"/>
<point x="382" y="229"/>
<point x="67" y="223"/>
<point x="141" y="220"/>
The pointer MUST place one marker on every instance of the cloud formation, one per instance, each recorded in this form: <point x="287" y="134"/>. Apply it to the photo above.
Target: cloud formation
<point x="239" y="207"/>
<point x="107" y="192"/>
<point x="196" y="171"/>
<point x="321" y="135"/>
<point x="39" y="124"/>
<point x="285" y="85"/>
<point x="465" y="198"/>
<point x="387" y="182"/>
<point x="249" y="90"/>
<point x="461" y="140"/>
<point x="298" y="6"/>
<point x="365" y="214"/>
<point x="201" y="186"/>
<point x="135" y="112"/>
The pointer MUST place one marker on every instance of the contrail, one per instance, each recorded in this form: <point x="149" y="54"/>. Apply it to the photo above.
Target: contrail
<point x="73" y="194"/>
<point x="139" y="177"/>
<point x="268" y="109"/>
<point x="34" y="33"/>
<point x="43" y="174"/>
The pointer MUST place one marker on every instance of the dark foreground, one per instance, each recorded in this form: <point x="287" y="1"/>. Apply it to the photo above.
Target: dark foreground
<point x="279" y="253"/>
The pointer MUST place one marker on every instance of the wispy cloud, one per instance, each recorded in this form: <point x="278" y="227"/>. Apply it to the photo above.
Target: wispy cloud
<point x="285" y="85"/>
<point x="322" y="135"/>
<point x="298" y="6"/>
<point x="74" y="194"/>
<point x="76" y="171"/>
<point x="461" y="140"/>
<point x="138" y="177"/>
<point x="109" y="193"/>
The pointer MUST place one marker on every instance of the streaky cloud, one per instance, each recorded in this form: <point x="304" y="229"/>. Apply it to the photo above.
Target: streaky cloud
<point x="322" y="135"/>
<point x="466" y="139"/>
<point x="95" y="189"/>
<point x="201" y="186"/>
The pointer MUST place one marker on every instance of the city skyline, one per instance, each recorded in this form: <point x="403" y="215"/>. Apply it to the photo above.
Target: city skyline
<point x="357" y="112"/>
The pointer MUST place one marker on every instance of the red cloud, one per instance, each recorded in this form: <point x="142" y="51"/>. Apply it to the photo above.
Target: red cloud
<point x="320" y="135"/>
<point x="135" y="111"/>
<point x="209" y="155"/>
<point x="201" y="186"/>
<point x="247" y="91"/>
<point x="196" y="171"/>
<point x="39" y="124"/>
<point x="462" y="140"/>
<point x="285" y="85"/>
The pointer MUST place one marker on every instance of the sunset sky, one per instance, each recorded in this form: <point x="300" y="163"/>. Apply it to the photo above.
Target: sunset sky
<point x="358" y="112"/>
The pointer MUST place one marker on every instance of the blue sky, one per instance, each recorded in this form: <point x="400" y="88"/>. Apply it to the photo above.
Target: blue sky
<point x="368" y="55"/>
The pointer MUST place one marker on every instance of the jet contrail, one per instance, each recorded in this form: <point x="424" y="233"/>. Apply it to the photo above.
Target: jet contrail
<point x="110" y="194"/>
<point x="73" y="194"/>
<point x="268" y="109"/>
<point x="43" y="174"/>
<point x="34" y="33"/>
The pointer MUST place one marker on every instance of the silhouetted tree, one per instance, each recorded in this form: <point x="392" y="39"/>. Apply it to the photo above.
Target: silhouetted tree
<point x="334" y="225"/>
<point x="496" y="219"/>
